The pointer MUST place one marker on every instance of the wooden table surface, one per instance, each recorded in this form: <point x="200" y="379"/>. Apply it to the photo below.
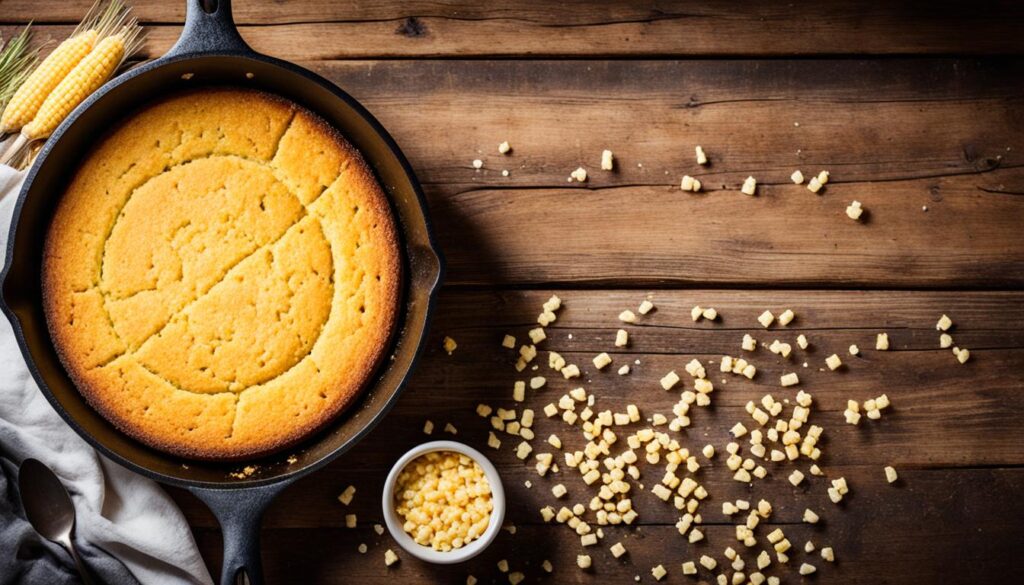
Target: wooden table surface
<point x="911" y="106"/>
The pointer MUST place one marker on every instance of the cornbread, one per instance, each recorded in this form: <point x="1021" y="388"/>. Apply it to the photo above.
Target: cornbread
<point x="221" y="277"/>
<point x="444" y="499"/>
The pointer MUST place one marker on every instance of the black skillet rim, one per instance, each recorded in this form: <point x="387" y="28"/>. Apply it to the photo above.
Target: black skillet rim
<point x="372" y="421"/>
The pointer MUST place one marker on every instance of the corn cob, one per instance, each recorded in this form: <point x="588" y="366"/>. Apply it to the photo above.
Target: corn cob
<point x="86" y="77"/>
<point x="26" y="102"/>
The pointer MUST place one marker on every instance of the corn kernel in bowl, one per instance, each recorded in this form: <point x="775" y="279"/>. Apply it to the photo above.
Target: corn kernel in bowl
<point x="443" y="499"/>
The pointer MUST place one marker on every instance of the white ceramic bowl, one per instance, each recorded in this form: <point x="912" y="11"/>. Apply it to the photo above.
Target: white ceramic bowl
<point x="394" y="521"/>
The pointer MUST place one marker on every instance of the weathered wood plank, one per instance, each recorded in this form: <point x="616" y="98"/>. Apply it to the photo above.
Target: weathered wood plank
<point x="953" y="151"/>
<point x="426" y="28"/>
<point x="907" y="534"/>
<point x="896" y="136"/>
<point x="944" y="415"/>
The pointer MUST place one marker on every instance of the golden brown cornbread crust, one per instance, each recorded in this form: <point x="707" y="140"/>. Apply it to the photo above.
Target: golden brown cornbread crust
<point x="222" y="276"/>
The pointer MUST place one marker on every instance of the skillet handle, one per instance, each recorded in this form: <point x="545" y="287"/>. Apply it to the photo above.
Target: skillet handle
<point x="239" y="512"/>
<point x="209" y="28"/>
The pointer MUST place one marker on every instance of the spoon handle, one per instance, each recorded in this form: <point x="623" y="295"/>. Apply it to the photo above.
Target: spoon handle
<point x="82" y="571"/>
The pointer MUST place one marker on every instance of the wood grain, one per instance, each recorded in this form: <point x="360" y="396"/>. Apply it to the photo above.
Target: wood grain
<point x="897" y="135"/>
<point x="961" y="518"/>
<point x="580" y="28"/>
<point x="908" y="104"/>
<point x="937" y="134"/>
<point x="939" y="433"/>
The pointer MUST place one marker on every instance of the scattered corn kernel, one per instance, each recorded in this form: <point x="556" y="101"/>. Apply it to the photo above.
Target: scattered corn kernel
<point x="621" y="338"/>
<point x="854" y="210"/>
<point x="890" y="474"/>
<point x="601" y="360"/>
<point x="786" y="317"/>
<point x="749" y="186"/>
<point x="749" y="344"/>
<point x="607" y="160"/>
<point x="347" y="495"/>
<point x="810" y="517"/>
<point x="833" y="362"/>
<point x="659" y="572"/>
<point x="796" y="477"/>
<point x="702" y="159"/>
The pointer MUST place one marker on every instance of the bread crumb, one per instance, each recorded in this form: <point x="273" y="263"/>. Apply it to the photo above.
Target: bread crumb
<point x="478" y="164"/>
<point x="504" y="148"/>
<point x="580" y="175"/>
<point x="449" y="345"/>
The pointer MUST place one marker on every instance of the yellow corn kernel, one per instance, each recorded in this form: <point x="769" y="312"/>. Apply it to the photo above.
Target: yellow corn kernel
<point x="55" y="68"/>
<point x="86" y="77"/>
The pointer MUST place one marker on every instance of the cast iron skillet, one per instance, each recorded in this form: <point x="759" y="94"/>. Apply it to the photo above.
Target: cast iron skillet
<point x="211" y="50"/>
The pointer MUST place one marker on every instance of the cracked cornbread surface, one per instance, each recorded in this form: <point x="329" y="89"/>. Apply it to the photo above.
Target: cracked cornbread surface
<point x="222" y="276"/>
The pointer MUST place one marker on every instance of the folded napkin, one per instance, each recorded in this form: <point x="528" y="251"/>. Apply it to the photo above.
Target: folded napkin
<point x="128" y="530"/>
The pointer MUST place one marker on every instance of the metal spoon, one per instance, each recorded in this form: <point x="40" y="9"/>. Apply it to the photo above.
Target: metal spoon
<point x="49" y="508"/>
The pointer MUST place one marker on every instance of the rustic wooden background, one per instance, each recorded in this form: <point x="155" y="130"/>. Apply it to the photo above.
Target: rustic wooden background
<point x="908" y="104"/>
